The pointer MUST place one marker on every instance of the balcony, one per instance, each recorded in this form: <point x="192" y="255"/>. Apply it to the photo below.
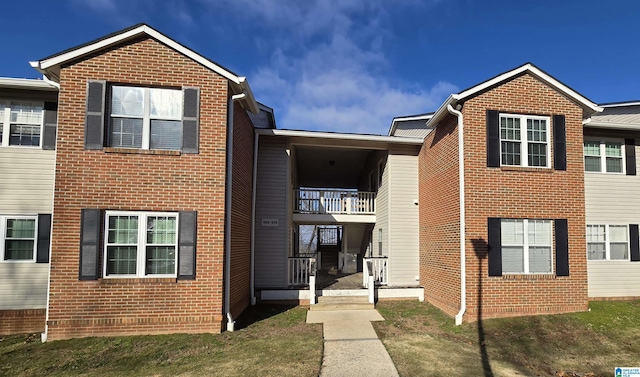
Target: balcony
<point x="333" y="202"/>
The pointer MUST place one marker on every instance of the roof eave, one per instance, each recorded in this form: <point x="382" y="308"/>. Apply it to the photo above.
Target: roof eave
<point x="342" y="136"/>
<point x="28" y="84"/>
<point x="394" y="122"/>
<point x="613" y="125"/>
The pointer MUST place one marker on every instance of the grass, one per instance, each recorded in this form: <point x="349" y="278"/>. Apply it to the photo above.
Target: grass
<point x="272" y="341"/>
<point x="424" y="342"/>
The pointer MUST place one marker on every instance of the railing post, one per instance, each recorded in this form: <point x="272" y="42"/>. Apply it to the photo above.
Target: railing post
<point x="312" y="288"/>
<point x="372" y="287"/>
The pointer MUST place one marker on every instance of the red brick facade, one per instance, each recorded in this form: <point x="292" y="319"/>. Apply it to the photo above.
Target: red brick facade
<point x="243" y="139"/>
<point x="506" y="192"/>
<point x="21" y="321"/>
<point x="144" y="181"/>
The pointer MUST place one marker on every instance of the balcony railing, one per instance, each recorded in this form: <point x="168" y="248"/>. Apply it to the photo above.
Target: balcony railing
<point x="334" y="202"/>
<point x="300" y="269"/>
<point x="378" y="268"/>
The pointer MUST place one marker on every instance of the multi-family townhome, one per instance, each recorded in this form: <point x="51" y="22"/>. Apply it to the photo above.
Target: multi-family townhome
<point x="177" y="203"/>
<point x="27" y="156"/>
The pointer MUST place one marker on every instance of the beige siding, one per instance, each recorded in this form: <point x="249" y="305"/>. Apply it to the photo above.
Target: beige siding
<point x="403" y="212"/>
<point x="613" y="278"/>
<point x="23" y="285"/>
<point x="271" y="203"/>
<point x="403" y="130"/>
<point x="26" y="186"/>
<point x="613" y="199"/>
<point x="382" y="207"/>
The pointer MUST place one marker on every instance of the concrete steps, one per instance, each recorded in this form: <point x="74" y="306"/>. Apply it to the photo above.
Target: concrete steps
<point x="326" y="303"/>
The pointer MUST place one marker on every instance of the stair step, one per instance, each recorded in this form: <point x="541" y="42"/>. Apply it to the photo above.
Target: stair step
<point x="342" y="306"/>
<point x="343" y="299"/>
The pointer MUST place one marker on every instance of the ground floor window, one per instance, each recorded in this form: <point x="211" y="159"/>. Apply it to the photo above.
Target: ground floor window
<point x="139" y="244"/>
<point x="607" y="242"/>
<point x="18" y="238"/>
<point x="526" y="246"/>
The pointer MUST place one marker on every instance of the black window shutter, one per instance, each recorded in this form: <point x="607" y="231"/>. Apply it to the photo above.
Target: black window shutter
<point x="493" y="139"/>
<point x="187" y="245"/>
<point x="44" y="238"/>
<point x="190" y="121"/>
<point x="562" y="247"/>
<point x="559" y="143"/>
<point x="90" y="244"/>
<point x="635" y="242"/>
<point x="50" y="125"/>
<point x="495" y="246"/>
<point x="630" y="155"/>
<point x="94" y="120"/>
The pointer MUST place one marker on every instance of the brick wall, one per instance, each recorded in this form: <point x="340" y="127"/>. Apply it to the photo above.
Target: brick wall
<point x="142" y="182"/>
<point x="21" y="321"/>
<point x="504" y="193"/>
<point x="241" y="210"/>
<point x="439" y="217"/>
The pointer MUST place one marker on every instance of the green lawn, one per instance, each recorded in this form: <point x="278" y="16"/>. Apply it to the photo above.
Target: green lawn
<point x="274" y="342"/>
<point x="424" y="342"/>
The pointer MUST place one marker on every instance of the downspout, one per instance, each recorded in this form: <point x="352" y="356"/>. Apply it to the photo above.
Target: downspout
<point x="253" y="219"/>
<point x="227" y="226"/>
<point x="463" y="267"/>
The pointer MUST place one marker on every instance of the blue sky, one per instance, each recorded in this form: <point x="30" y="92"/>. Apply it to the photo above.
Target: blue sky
<point x="352" y="65"/>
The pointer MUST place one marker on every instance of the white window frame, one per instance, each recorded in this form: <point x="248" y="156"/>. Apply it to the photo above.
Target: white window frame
<point x="524" y="143"/>
<point x="526" y="245"/>
<point x="603" y="155"/>
<point x="607" y="244"/>
<point x="5" y="123"/>
<point x="3" y="234"/>
<point x="141" y="255"/>
<point x="146" y="116"/>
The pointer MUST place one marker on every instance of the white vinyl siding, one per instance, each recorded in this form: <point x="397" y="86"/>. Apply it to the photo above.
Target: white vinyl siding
<point x="404" y="221"/>
<point x="382" y="207"/>
<point x="27" y="189"/>
<point x="271" y="203"/>
<point x="612" y="199"/>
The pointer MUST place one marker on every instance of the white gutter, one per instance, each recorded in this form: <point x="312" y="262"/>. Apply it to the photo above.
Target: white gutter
<point x="463" y="267"/>
<point x="227" y="231"/>
<point x="50" y="82"/>
<point x="253" y="219"/>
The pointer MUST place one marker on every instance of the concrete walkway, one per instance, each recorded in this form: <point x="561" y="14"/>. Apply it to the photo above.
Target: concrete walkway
<point x="351" y="345"/>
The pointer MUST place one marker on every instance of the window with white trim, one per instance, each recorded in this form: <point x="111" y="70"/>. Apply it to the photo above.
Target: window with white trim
<point x="606" y="156"/>
<point x="140" y="244"/>
<point x="607" y="242"/>
<point x="145" y="118"/>
<point x="524" y="140"/>
<point x="21" y="123"/>
<point x="526" y="246"/>
<point x="18" y="238"/>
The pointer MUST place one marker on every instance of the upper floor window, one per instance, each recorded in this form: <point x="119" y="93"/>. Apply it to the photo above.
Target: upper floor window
<point x="604" y="156"/>
<point x="146" y="118"/>
<point x="18" y="238"/>
<point x="524" y="140"/>
<point x="21" y="123"/>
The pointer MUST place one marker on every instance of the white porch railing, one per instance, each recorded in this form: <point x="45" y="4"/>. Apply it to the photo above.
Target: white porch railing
<point x="300" y="269"/>
<point x="379" y="271"/>
<point x="334" y="201"/>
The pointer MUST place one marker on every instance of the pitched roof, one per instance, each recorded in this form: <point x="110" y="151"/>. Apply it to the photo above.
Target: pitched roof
<point x="263" y="119"/>
<point x="621" y="115"/>
<point x="588" y="106"/>
<point x="410" y="125"/>
<point x="50" y="65"/>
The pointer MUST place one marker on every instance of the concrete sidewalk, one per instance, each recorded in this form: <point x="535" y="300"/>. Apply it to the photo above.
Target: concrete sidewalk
<point x="351" y="345"/>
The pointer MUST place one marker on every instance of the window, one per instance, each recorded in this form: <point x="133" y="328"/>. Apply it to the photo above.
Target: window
<point x="139" y="244"/>
<point x="524" y="140"/>
<point x="145" y="118"/>
<point x="612" y="150"/>
<point x="18" y="238"/>
<point x="21" y="123"/>
<point x="607" y="242"/>
<point x="526" y="246"/>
